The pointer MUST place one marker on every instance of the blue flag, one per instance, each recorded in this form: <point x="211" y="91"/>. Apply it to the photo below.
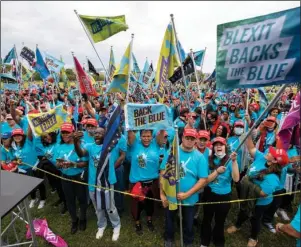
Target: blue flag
<point x="182" y="52"/>
<point x="11" y="55"/>
<point x="40" y="65"/>
<point x="198" y="57"/>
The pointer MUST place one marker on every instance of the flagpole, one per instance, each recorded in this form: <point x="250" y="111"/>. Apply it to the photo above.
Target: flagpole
<point x="202" y="81"/>
<point x="129" y="76"/>
<point x="182" y="68"/>
<point x="281" y="90"/>
<point x="195" y="72"/>
<point x="91" y="42"/>
<point x="177" y="159"/>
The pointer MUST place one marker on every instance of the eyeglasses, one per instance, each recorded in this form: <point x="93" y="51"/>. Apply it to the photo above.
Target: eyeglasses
<point x="190" y="138"/>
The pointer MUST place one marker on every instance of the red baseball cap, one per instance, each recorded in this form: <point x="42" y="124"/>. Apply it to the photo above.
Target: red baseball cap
<point x="239" y="123"/>
<point x="219" y="139"/>
<point x="203" y="134"/>
<point x="272" y="119"/>
<point x="17" y="132"/>
<point x="92" y="121"/>
<point x="280" y="155"/>
<point x="68" y="127"/>
<point x="190" y="132"/>
<point x="33" y="111"/>
<point x="255" y="105"/>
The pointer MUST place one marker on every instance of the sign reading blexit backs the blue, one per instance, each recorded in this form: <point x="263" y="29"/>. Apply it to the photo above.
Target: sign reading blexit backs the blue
<point x="147" y="116"/>
<point x="260" y="51"/>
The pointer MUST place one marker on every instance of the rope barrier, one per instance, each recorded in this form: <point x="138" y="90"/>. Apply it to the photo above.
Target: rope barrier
<point x="154" y="199"/>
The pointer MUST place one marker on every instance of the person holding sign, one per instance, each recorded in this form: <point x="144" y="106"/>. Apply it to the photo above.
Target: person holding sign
<point x="145" y="171"/>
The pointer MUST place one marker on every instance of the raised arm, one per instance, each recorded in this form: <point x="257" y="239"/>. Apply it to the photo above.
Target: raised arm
<point x="131" y="137"/>
<point x="81" y="152"/>
<point x="12" y="109"/>
<point x="250" y="146"/>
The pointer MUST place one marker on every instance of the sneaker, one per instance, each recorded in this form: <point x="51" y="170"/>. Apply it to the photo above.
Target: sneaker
<point x="139" y="229"/>
<point x="74" y="227"/>
<point x="150" y="225"/>
<point x="270" y="227"/>
<point x="275" y="215"/>
<point x="283" y="214"/>
<point x="53" y="191"/>
<point x="203" y="245"/>
<point x="63" y="209"/>
<point x="232" y="229"/>
<point x="99" y="233"/>
<point x="116" y="233"/>
<point x="169" y="243"/>
<point x="252" y="242"/>
<point x="32" y="203"/>
<point x="41" y="204"/>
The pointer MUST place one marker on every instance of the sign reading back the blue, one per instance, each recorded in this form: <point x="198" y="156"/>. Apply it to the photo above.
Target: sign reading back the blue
<point x="260" y="51"/>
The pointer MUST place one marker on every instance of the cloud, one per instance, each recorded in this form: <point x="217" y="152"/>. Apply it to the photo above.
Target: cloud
<point x="56" y="29"/>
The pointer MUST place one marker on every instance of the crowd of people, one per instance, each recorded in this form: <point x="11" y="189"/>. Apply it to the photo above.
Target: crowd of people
<point x="210" y="129"/>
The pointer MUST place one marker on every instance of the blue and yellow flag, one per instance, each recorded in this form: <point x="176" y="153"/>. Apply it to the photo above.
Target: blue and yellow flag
<point x="26" y="73"/>
<point x="136" y="69"/>
<point x="121" y="76"/>
<point x="47" y="122"/>
<point x="169" y="177"/>
<point x="112" y="66"/>
<point x="168" y="60"/>
<point x="101" y="28"/>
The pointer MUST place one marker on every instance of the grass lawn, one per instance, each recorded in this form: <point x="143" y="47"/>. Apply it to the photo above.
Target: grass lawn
<point x="60" y="224"/>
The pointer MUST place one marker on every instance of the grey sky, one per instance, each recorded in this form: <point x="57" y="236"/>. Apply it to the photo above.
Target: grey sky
<point x="56" y="29"/>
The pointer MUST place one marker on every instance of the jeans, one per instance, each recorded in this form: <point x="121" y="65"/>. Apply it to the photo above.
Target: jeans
<point x="72" y="191"/>
<point x="170" y="218"/>
<point x="219" y="212"/>
<point x="119" y="186"/>
<point x="101" y="214"/>
<point x="256" y="219"/>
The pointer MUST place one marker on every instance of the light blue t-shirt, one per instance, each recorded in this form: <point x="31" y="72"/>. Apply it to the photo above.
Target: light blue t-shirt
<point x="24" y="124"/>
<point x="115" y="153"/>
<point x="270" y="181"/>
<point x="180" y="123"/>
<point x="94" y="152"/>
<point x="26" y="153"/>
<point x="193" y="166"/>
<point x="144" y="161"/>
<point x="6" y="128"/>
<point x="222" y="184"/>
<point x="87" y="139"/>
<point x="6" y="154"/>
<point x="296" y="225"/>
<point x="47" y="151"/>
<point x="67" y="152"/>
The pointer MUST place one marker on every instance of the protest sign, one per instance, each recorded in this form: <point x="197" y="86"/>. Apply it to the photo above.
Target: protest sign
<point x="146" y="116"/>
<point x="260" y="51"/>
<point x="49" y="121"/>
<point x="11" y="86"/>
<point x="75" y="93"/>
<point x="53" y="64"/>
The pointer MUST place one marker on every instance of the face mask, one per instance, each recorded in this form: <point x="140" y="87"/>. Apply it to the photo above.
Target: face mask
<point x="270" y="130"/>
<point x="220" y="155"/>
<point x="238" y="131"/>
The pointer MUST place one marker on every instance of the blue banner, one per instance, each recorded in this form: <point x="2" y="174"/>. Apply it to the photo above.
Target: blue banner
<point x="53" y="64"/>
<point x="259" y="52"/>
<point x="147" y="116"/>
<point x="40" y="65"/>
<point x="11" y="86"/>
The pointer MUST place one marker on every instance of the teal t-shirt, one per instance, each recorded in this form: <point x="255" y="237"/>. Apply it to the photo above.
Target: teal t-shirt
<point x="27" y="154"/>
<point x="67" y="152"/>
<point x="144" y="161"/>
<point x="6" y="128"/>
<point x="222" y="184"/>
<point x="47" y="151"/>
<point x="94" y="152"/>
<point x="193" y="166"/>
<point x="6" y="154"/>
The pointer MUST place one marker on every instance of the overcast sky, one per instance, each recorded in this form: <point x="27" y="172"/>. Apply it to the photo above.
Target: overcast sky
<point x="57" y="30"/>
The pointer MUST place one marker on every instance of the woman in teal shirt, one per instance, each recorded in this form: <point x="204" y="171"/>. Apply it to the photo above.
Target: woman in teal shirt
<point x="218" y="189"/>
<point x="72" y="167"/>
<point x="145" y="169"/>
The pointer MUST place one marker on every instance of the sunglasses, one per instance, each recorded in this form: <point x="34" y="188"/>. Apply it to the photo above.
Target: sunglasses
<point x="190" y="138"/>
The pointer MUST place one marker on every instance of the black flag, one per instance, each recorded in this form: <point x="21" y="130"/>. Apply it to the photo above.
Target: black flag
<point x="188" y="69"/>
<point x="92" y="68"/>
